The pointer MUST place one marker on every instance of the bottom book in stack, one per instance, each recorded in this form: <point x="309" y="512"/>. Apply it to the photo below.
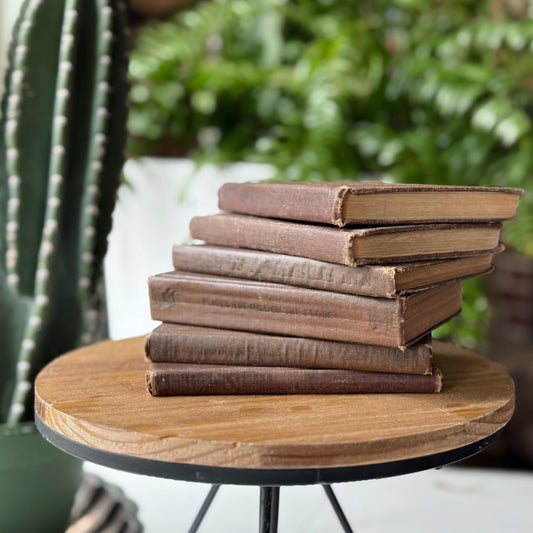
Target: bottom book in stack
<point x="191" y="360"/>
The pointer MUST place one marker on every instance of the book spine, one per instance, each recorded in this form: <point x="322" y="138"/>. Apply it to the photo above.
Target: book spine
<point x="168" y="379"/>
<point x="226" y="303"/>
<point x="270" y="200"/>
<point x="378" y="281"/>
<point x="178" y="343"/>
<point x="332" y="245"/>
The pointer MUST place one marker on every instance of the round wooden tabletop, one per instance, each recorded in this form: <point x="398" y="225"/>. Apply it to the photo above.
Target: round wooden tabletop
<point x="95" y="398"/>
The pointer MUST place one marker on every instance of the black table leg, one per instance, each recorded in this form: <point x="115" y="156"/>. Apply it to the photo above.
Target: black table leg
<point x="203" y="510"/>
<point x="338" y="509"/>
<point x="268" y="509"/>
<point x="274" y="510"/>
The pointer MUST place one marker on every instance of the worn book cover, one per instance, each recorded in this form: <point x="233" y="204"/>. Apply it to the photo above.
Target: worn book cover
<point x="180" y="343"/>
<point x="176" y="379"/>
<point x="384" y="281"/>
<point x="244" y="305"/>
<point x="369" y="203"/>
<point x="381" y="245"/>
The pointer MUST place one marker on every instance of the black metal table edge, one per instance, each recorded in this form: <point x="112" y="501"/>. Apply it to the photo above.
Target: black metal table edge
<point x="218" y="475"/>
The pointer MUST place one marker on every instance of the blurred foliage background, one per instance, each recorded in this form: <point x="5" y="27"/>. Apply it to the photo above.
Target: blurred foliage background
<point x="406" y="91"/>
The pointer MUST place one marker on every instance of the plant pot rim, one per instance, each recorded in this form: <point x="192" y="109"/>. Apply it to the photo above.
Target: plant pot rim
<point x="21" y="428"/>
<point x="22" y="446"/>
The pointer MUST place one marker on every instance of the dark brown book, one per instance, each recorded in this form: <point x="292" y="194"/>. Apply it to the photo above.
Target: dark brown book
<point x="244" y="305"/>
<point x="178" y="343"/>
<point x="367" y="203"/>
<point x="176" y="379"/>
<point x="369" y="280"/>
<point x="388" y="244"/>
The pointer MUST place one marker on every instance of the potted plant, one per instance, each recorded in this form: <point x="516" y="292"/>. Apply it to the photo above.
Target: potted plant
<point x="62" y="136"/>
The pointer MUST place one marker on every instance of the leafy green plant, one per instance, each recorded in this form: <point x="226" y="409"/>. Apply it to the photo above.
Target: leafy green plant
<point x="405" y="91"/>
<point x="62" y="137"/>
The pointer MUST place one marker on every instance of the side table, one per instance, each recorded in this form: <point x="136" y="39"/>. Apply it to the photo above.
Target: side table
<point x="93" y="404"/>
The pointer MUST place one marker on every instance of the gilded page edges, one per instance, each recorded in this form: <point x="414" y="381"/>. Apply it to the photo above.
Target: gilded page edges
<point x="378" y="187"/>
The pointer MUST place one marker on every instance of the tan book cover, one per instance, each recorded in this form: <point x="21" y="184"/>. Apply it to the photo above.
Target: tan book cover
<point x="177" y="379"/>
<point x="180" y="343"/>
<point x="244" y="305"/>
<point x="380" y="245"/>
<point x="369" y="203"/>
<point x="384" y="281"/>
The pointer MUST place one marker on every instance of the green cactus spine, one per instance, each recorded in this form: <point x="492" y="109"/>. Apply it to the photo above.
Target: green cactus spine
<point x="62" y="139"/>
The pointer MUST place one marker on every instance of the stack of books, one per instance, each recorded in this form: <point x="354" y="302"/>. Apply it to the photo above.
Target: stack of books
<point x="320" y="288"/>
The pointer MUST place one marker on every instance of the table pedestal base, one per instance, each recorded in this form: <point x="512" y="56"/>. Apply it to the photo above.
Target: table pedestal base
<point x="269" y="508"/>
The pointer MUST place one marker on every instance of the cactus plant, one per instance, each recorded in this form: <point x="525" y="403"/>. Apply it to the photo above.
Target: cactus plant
<point x="62" y="138"/>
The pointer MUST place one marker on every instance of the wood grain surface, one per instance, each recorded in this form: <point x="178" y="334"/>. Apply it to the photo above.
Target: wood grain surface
<point x="97" y="396"/>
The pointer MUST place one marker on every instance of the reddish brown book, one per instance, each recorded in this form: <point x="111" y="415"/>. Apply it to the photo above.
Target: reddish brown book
<point x="175" y="379"/>
<point x="390" y="244"/>
<point x="367" y="203"/>
<point x="178" y="343"/>
<point x="370" y="280"/>
<point x="244" y="305"/>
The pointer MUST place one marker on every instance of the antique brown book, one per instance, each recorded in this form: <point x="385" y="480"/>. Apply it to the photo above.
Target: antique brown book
<point x="387" y="244"/>
<point x="179" y="343"/>
<point x="368" y="280"/>
<point x="366" y="203"/>
<point x="244" y="305"/>
<point x="177" y="379"/>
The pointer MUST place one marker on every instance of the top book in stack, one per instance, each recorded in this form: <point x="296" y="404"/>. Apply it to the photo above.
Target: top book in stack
<point x="370" y="203"/>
